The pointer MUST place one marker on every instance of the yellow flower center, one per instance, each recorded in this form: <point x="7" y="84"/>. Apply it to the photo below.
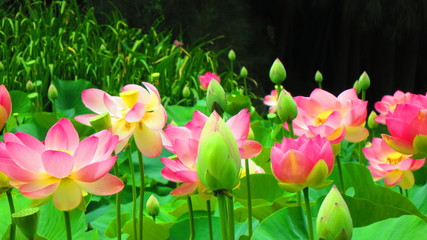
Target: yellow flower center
<point x="395" y="158"/>
<point x="321" y="118"/>
<point x="422" y="115"/>
<point x="130" y="97"/>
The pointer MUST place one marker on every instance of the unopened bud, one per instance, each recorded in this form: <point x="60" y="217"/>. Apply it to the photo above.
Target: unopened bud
<point x="287" y="109"/>
<point x="216" y="98"/>
<point x="277" y="72"/>
<point x="371" y="120"/>
<point x="364" y="81"/>
<point x="186" y="91"/>
<point x="52" y="92"/>
<point x="153" y="206"/>
<point x="29" y="86"/>
<point x="356" y="86"/>
<point x="243" y="72"/>
<point x="318" y="77"/>
<point x="231" y="55"/>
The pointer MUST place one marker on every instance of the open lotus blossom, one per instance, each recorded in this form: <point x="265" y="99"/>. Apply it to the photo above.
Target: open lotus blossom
<point x="137" y="111"/>
<point x="394" y="167"/>
<point x="302" y="162"/>
<point x="184" y="141"/>
<point x="405" y="123"/>
<point x="388" y="103"/>
<point x="271" y="101"/>
<point x="206" y="78"/>
<point x="61" y="167"/>
<point x="335" y="118"/>
<point x="5" y="106"/>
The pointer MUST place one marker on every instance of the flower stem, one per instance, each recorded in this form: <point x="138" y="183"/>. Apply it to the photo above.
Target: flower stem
<point x="299" y="198"/>
<point x="308" y="211"/>
<point x="337" y="159"/>
<point x="191" y="216"/>
<point x="208" y="207"/>
<point x="141" y="195"/>
<point x="68" y="225"/>
<point x="248" y="183"/>
<point x="118" y="210"/>
<point x="291" y="129"/>
<point x="132" y="175"/>
<point x="222" y="214"/>
<point x="230" y="206"/>
<point x="12" y="210"/>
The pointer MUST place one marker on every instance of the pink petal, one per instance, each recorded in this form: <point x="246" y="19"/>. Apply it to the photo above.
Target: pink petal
<point x="62" y="136"/>
<point x="85" y="152"/>
<point x="240" y="124"/>
<point x="399" y="145"/>
<point x="187" y="151"/>
<point x="85" y="118"/>
<point x="111" y="105"/>
<point x="156" y="119"/>
<point x="41" y="193"/>
<point x="93" y="99"/>
<point x="170" y="175"/>
<point x="250" y="149"/>
<point x="149" y="142"/>
<point x="188" y="176"/>
<point x="123" y="129"/>
<point x="393" y="178"/>
<point x="67" y="196"/>
<point x="356" y="134"/>
<point x="107" y="185"/>
<point x="25" y="139"/>
<point x="38" y="184"/>
<point x="25" y="157"/>
<point x="94" y="171"/>
<point x="325" y="99"/>
<point x="411" y="164"/>
<point x="8" y="167"/>
<point x="58" y="164"/>
<point x="136" y="113"/>
<point x="185" y="189"/>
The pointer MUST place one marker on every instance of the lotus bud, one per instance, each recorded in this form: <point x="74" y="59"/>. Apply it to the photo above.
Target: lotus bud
<point x="186" y="91"/>
<point x="286" y="107"/>
<point x="218" y="162"/>
<point x="27" y="220"/>
<point x="333" y="220"/>
<point x="371" y="120"/>
<point x="4" y="183"/>
<point x="243" y="73"/>
<point x="277" y="72"/>
<point x="231" y="55"/>
<point x="29" y="86"/>
<point x="153" y="206"/>
<point x="318" y="77"/>
<point x="101" y="121"/>
<point x="52" y="92"/>
<point x="356" y="86"/>
<point x="216" y="98"/>
<point x="364" y="81"/>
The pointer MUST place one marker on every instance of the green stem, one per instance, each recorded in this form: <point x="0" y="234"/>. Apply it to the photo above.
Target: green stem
<point x="406" y="193"/>
<point x="360" y="153"/>
<point x="338" y="161"/>
<point x="68" y="225"/>
<point x="299" y="198"/>
<point x="308" y="211"/>
<point x="208" y="207"/>
<point x="191" y="215"/>
<point x="246" y="87"/>
<point x="12" y="210"/>
<point x="118" y="210"/>
<point x="248" y="183"/>
<point x="132" y="175"/>
<point x="222" y="214"/>
<point x="141" y="195"/>
<point x="363" y="95"/>
<point x="291" y="129"/>
<point x="230" y="206"/>
<point x="320" y="85"/>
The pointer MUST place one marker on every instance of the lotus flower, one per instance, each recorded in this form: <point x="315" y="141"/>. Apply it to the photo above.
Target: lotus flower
<point x="394" y="167"/>
<point x="271" y="101"/>
<point x="302" y="162"/>
<point x="136" y="112"/>
<point x="5" y="106"/>
<point x="335" y="118"/>
<point x="388" y="103"/>
<point x="61" y="167"/>
<point x="206" y="78"/>
<point x="405" y="124"/>
<point x="184" y="142"/>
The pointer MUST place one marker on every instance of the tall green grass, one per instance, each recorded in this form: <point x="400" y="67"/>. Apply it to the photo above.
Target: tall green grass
<point x="56" y="41"/>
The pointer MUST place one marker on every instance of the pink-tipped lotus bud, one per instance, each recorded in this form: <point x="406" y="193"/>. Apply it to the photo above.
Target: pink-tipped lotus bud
<point x="153" y="206"/>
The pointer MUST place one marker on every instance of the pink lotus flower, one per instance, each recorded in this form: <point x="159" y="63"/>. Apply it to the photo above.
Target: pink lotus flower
<point x="5" y="106"/>
<point x="136" y="112"/>
<point x="302" y="162"/>
<point x="388" y="103"/>
<point x="396" y="168"/>
<point x="184" y="142"/>
<point x="61" y="167"/>
<point x="405" y="124"/>
<point x="335" y="118"/>
<point x="206" y="78"/>
<point x="271" y="101"/>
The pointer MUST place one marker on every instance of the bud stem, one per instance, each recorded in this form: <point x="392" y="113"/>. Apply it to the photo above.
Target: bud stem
<point x="191" y="216"/>
<point x="291" y="129"/>
<point x="222" y="214"/>
<point x="68" y="225"/>
<point x="12" y="210"/>
<point x="308" y="211"/>
<point x="208" y="208"/>
<point x="118" y="210"/>
<point x="132" y="175"/>
<point x="248" y="183"/>
<point x="141" y="195"/>
<point x="338" y="161"/>
<point x="230" y="206"/>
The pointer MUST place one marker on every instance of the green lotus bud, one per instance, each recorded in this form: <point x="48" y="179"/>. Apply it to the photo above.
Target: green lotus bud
<point x="29" y="86"/>
<point x="27" y="220"/>
<point x="420" y="145"/>
<point x="333" y="220"/>
<point x="186" y="91"/>
<point x="216" y="98"/>
<point x="101" y="121"/>
<point x="231" y="55"/>
<point x="52" y="92"/>
<point x="218" y="162"/>
<point x="243" y="72"/>
<point x="237" y="102"/>
<point x="356" y="85"/>
<point x="287" y="109"/>
<point x="318" y="77"/>
<point x="364" y="81"/>
<point x="153" y="206"/>
<point x="371" y="120"/>
<point x="277" y="72"/>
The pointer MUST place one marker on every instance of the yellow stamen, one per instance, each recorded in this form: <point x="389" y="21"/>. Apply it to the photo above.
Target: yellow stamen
<point x="395" y="158"/>
<point x="130" y="97"/>
<point x="322" y="117"/>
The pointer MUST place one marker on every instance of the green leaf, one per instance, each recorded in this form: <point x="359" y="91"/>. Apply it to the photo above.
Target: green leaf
<point x="152" y="230"/>
<point x="69" y="101"/>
